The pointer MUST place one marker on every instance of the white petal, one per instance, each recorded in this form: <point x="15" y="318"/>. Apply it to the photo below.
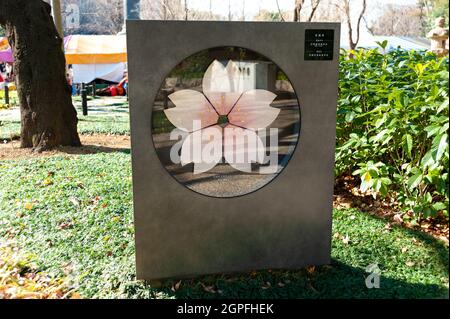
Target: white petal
<point x="203" y="148"/>
<point x="242" y="147"/>
<point x="190" y="106"/>
<point x="253" y="110"/>
<point x="223" y="85"/>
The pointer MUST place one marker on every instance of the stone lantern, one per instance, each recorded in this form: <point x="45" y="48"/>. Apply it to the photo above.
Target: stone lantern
<point x="439" y="38"/>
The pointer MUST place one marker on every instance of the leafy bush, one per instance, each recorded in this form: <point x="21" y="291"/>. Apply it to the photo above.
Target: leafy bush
<point x="392" y="127"/>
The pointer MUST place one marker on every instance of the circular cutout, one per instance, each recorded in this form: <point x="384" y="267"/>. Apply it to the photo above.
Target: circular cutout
<point x="225" y="122"/>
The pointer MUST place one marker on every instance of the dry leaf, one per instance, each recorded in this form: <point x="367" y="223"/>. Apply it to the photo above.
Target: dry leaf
<point x="346" y="239"/>
<point x="115" y="219"/>
<point x="74" y="201"/>
<point x="65" y="225"/>
<point x="47" y="182"/>
<point x="310" y="269"/>
<point x="75" y="295"/>
<point x="267" y="285"/>
<point x="398" y="218"/>
<point x="404" y="249"/>
<point x="176" y="286"/>
<point x="209" y="289"/>
<point x="410" y="263"/>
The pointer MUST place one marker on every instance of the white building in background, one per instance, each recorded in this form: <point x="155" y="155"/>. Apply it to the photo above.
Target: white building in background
<point x="255" y="75"/>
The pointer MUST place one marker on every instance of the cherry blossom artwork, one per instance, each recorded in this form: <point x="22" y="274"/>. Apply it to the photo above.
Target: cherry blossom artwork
<point x="245" y="112"/>
<point x="233" y="130"/>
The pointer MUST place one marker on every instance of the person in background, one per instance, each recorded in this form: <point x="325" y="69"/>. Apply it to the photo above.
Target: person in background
<point x="70" y="79"/>
<point x="9" y="73"/>
<point x="115" y="90"/>
<point x="3" y="76"/>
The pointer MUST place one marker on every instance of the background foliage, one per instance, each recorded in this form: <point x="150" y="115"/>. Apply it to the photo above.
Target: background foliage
<point x="392" y="128"/>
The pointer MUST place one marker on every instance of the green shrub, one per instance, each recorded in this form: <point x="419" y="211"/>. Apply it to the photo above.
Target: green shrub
<point x="392" y="127"/>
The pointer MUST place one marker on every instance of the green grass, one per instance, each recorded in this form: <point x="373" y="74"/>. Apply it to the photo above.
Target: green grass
<point x="101" y="119"/>
<point x="74" y="214"/>
<point x="9" y="129"/>
<point x="13" y="99"/>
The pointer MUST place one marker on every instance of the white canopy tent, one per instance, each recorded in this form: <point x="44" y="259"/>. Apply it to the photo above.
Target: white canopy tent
<point x="96" y="57"/>
<point x="85" y="73"/>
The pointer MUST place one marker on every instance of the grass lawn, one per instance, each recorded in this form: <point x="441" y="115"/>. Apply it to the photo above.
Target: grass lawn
<point x="105" y="116"/>
<point x="73" y="215"/>
<point x="13" y="99"/>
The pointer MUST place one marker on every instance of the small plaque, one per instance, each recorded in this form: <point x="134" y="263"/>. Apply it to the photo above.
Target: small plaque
<point x="319" y="44"/>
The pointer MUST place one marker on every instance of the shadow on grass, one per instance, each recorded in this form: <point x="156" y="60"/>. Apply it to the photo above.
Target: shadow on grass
<point x="340" y="279"/>
<point x="334" y="281"/>
<point x="92" y="149"/>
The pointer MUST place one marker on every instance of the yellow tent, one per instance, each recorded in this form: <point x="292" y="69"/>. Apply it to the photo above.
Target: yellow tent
<point x="95" y="49"/>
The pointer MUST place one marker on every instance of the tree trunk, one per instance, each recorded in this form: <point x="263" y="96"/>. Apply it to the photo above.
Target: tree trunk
<point x="48" y="117"/>
<point x="298" y="9"/>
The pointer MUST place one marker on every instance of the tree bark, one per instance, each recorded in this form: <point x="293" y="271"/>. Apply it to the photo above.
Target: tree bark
<point x="298" y="9"/>
<point x="314" y="5"/>
<point x="353" y="43"/>
<point x="48" y="117"/>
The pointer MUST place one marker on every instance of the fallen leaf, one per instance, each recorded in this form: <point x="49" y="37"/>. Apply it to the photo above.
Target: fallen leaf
<point x="267" y="285"/>
<point x="410" y="263"/>
<point x="28" y="206"/>
<point x="310" y="269"/>
<point x="404" y="249"/>
<point x="47" y="182"/>
<point x="75" y="295"/>
<point x="398" y="218"/>
<point x="346" y="239"/>
<point x="74" y="201"/>
<point x="176" y="286"/>
<point x="209" y="289"/>
<point x="65" y="225"/>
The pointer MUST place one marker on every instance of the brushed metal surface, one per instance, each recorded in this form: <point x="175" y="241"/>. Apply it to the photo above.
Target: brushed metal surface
<point x="284" y="225"/>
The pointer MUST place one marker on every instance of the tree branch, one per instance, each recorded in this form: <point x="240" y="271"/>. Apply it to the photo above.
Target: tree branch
<point x="359" y="21"/>
<point x="279" y="11"/>
<point x="298" y="9"/>
<point x="314" y="6"/>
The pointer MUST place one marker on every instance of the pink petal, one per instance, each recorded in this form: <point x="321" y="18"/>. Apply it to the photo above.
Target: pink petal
<point x="223" y="85"/>
<point x="203" y="148"/>
<point x="191" y="106"/>
<point x="253" y="110"/>
<point x="242" y="147"/>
